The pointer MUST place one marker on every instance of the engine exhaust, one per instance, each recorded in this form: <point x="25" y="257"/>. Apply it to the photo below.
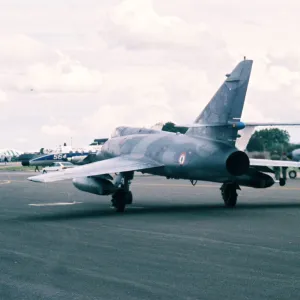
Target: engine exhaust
<point x="238" y="163"/>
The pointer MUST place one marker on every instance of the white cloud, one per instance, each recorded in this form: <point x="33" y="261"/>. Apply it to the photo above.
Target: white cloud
<point x="142" y="96"/>
<point x="20" y="50"/>
<point x="3" y="97"/>
<point x="283" y="76"/>
<point x="29" y="64"/>
<point x="57" y="130"/>
<point x="252" y="113"/>
<point x="137" y="62"/>
<point x="65" y="76"/>
<point x="21" y="140"/>
<point x="136" y="25"/>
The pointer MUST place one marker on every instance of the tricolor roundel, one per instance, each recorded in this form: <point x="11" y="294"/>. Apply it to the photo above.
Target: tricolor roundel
<point x="181" y="158"/>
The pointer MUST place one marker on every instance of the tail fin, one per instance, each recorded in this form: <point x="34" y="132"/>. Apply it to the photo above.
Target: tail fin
<point x="225" y="106"/>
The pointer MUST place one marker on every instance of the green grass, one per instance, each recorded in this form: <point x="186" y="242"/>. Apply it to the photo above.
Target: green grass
<point x="16" y="168"/>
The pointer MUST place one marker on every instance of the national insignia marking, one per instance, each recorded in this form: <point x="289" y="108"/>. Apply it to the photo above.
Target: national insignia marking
<point x="181" y="159"/>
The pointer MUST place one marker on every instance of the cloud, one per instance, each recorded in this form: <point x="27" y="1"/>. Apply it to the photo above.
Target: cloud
<point x="57" y="130"/>
<point x="107" y="117"/>
<point x="28" y="64"/>
<point x="3" y="97"/>
<point x="20" y="50"/>
<point x="65" y="76"/>
<point x="139" y="96"/>
<point x="138" y="62"/>
<point x="136" y="25"/>
<point x="21" y="140"/>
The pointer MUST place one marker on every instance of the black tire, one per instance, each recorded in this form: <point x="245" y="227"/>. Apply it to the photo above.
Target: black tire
<point x="44" y="172"/>
<point x="292" y="174"/>
<point x="229" y="196"/>
<point x="119" y="201"/>
<point x="282" y="182"/>
<point x="120" y="207"/>
<point x="128" y="197"/>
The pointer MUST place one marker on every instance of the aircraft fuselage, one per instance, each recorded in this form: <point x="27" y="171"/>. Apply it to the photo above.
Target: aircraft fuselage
<point x="183" y="156"/>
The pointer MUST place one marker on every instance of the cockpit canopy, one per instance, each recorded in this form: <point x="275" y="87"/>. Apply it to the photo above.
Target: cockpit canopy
<point x="124" y="131"/>
<point x="117" y="132"/>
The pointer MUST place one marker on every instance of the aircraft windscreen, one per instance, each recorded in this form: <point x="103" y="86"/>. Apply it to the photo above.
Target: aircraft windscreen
<point x="116" y="132"/>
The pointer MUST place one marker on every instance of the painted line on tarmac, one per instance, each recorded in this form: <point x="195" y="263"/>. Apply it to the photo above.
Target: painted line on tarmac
<point x="54" y="204"/>
<point x="135" y="207"/>
<point x="5" y="182"/>
<point x="129" y="207"/>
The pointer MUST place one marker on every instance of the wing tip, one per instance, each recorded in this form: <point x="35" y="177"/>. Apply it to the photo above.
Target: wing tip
<point x="35" y="179"/>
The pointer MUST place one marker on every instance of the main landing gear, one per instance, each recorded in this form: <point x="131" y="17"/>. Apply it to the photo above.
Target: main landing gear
<point x="229" y="194"/>
<point x="122" y="196"/>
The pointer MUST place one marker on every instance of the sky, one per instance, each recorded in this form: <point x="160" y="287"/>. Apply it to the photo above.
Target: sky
<point x="79" y="68"/>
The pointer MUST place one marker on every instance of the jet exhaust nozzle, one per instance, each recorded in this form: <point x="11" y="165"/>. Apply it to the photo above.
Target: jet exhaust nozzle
<point x="238" y="163"/>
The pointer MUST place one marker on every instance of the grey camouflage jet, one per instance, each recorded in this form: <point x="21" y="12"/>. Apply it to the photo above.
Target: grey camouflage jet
<point x="207" y="151"/>
<point x="294" y="155"/>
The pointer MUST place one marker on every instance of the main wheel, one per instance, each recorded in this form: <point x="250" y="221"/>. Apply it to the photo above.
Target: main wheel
<point x="292" y="174"/>
<point x="120" y="199"/>
<point x="128" y="197"/>
<point x="229" y="195"/>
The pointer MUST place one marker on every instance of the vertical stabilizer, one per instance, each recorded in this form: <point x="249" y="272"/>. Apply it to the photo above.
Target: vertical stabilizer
<point x="225" y="106"/>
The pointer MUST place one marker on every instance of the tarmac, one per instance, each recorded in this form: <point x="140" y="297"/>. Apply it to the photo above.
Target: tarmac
<point x="176" y="241"/>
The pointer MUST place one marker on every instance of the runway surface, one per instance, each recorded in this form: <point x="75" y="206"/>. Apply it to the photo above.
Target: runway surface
<point x="175" y="242"/>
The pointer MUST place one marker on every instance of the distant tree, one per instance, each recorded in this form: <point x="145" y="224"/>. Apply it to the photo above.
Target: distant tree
<point x="255" y="144"/>
<point x="269" y="140"/>
<point x="170" y="126"/>
<point x="42" y="151"/>
<point x="292" y="147"/>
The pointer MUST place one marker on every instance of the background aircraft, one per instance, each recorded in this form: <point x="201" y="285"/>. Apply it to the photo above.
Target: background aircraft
<point x="9" y="153"/>
<point x="207" y="151"/>
<point x="294" y="155"/>
<point x="77" y="156"/>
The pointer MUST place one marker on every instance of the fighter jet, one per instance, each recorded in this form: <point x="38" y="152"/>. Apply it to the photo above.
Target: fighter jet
<point x="207" y="152"/>
<point x="76" y="156"/>
<point x="294" y="155"/>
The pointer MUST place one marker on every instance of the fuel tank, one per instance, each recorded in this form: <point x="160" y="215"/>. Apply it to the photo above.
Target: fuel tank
<point x="93" y="185"/>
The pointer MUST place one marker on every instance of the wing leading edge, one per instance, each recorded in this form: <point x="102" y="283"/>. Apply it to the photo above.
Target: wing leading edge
<point x="108" y="166"/>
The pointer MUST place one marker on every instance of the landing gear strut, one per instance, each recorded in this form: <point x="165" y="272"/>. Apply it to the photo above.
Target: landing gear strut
<point x="122" y="196"/>
<point x="229" y="194"/>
